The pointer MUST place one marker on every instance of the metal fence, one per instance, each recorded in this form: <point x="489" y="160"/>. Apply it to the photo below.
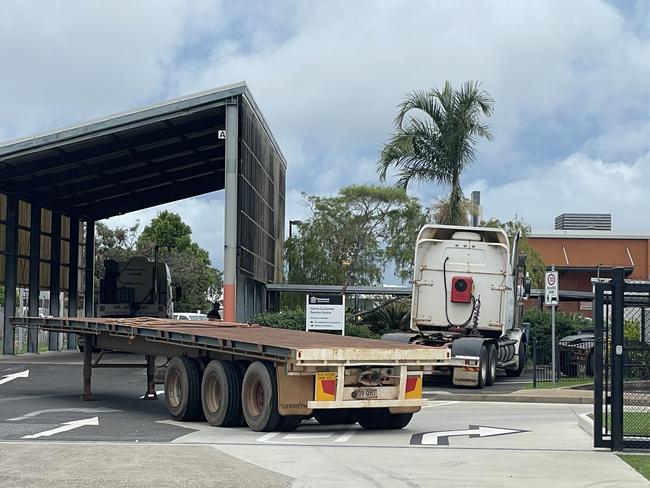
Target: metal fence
<point x="574" y="364"/>
<point x="622" y="359"/>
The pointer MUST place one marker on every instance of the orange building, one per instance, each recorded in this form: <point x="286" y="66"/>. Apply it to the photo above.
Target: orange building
<point x="581" y="256"/>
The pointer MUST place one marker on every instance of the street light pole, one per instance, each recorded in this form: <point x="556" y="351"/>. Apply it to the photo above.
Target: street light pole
<point x="291" y="224"/>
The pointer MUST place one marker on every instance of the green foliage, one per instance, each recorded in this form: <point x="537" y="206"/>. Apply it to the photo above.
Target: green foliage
<point x="632" y="330"/>
<point x="534" y="264"/>
<point x="189" y="264"/>
<point x="351" y="236"/>
<point x="389" y="316"/>
<point x="294" y="319"/>
<point x="437" y="132"/>
<point x="566" y="324"/>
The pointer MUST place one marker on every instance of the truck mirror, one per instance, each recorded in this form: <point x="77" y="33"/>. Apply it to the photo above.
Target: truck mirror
<point x="521" y="260"/>
<point x="527" y="285"/>
<point x="177" y="293"/>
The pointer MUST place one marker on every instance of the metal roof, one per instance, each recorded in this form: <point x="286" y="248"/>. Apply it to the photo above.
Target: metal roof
<point x="129" y="161"/>
<point x="364" y="290"/>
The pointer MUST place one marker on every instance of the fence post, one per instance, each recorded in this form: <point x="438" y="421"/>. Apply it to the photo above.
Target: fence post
<point x="618" y="291"/>
<point x="534" y="344"/>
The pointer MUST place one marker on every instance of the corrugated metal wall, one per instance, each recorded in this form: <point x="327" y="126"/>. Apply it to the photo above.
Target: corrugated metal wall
<point x="261" y="200"/>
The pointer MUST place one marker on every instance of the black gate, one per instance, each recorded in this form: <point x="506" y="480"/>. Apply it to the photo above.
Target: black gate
<point x="622" y="364"/>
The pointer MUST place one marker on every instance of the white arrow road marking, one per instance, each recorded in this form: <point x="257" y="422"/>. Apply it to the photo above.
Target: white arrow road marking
<point x="442" y="438"/>
<point x="158" y="392"/>
<point x="11" y="377"/>
<point x="57" y="410"/>
<point x="308" y="435"/>
<point x="267" y="437"/>
<point x="346" y="436"/>
<point x="74" y="424"/>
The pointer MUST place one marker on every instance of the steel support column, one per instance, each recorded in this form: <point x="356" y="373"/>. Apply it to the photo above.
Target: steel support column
<point x="88" y="367"/>
<point x="89" y="288"/>
<point x="55" y="277"/>
<point x="11" y="258"/>
<point x="73" y="276"/>
<point x="231" y="217"/>
<point x="34" y="274"/>
<point x="618" y="291"/>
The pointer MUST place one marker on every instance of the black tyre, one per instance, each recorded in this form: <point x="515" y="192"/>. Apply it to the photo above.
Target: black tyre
<point x="382" y="419"/>
<point x="492" y="365"/>
<point x="482" y="367"/>
<point x="515" y="373"/>
<point x="289" y="423"/>
<point x="336" y="416"/>
<point x="260" y="397"/>
<point x="183" y="389"/>
<point x="240" y="368"/>
<point x="221" y="394"/>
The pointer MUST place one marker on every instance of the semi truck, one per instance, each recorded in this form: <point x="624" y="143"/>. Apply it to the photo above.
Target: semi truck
<point x="234" y="374"/>
<point x="469" y="286"/>
<point x="137" y="287"/>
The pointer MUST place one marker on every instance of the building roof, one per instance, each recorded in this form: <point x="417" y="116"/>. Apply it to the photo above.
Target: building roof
<point x="581" y="234"/>
<point x="128" y="161"/>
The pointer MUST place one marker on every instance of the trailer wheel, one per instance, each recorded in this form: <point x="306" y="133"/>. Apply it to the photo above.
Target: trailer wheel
<point x="482" y="367"/>
<point x="221" y="394"/>
<point x="183" y="389"/>
<point x="492" y="365"/>
<point x="381" y="418"/>
<point x="289" y="423"/>
<point x="260" y="397"/>
<point x="240" y="368"/>
<point x="335" y="416"/>
<point x="520" y="364"/>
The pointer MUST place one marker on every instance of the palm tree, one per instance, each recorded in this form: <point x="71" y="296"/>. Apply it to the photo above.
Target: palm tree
<point x="435" y="141"/>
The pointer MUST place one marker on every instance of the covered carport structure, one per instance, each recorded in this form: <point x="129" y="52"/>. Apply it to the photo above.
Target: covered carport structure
<point x="55" y="186"/>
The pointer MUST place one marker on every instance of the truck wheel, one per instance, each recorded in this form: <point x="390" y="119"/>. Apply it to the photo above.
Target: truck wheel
<point x="483" y="365"/>
<point x="240" y="367"/>
<point x="289" y="423"/>
<point x="513" y="373"/>
<point x="492" y="365"/>
<point x="183" y="389"/>
<point x="381" y="418"/>
<point x="335" y="416"/>
<point x="221" y="394"/>
<point x="260" y="397"/>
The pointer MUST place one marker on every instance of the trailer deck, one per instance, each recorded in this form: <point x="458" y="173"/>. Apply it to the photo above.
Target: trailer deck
<point x="298" y="347"/>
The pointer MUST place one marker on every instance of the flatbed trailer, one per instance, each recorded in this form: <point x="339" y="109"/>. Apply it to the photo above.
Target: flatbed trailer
<point x="235" y="374"/>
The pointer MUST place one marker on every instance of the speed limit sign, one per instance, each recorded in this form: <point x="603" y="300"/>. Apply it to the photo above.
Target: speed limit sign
<point x="551" y="288"/>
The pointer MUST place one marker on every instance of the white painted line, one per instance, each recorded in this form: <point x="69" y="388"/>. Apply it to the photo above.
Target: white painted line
<point x="440" y="404"/>
<point x="308" y="436"/>
<point x="158" y="392"/>
<point x="346" y="436"/>
<point x="14" y="376"/>
<point x="74" y="424"/>
<point x="57" y="410"/>
<point x="267" y="437"/>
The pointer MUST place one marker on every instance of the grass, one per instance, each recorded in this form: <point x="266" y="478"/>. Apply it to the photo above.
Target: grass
<point x="635" y="424"/>
<point x="638" y="462"/>
<point x="559" y="384"/>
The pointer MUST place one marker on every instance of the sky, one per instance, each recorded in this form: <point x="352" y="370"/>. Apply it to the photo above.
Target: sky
<point x="570" y="80"/>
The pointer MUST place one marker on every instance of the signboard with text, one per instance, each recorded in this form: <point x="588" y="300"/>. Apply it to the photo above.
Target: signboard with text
<point x="326" y="312"/>
<point x="551" y="295"/>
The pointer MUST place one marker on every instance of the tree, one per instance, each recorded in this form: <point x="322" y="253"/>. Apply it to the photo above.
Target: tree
<point x="534" y="263"/>
<point x="437" y="132"/>
<point x="351" y="236"/>
<point x="189" y="264"/>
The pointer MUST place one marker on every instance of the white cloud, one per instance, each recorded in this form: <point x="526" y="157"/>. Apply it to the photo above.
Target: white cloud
<point x="575" y="184"/>
<point x="570" y="80"/>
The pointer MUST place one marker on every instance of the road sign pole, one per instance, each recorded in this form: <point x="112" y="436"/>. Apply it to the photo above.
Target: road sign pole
<point x="553" y="336"/>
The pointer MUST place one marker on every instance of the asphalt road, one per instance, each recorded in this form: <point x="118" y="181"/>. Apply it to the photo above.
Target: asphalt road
<point x="128" y="441"/>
